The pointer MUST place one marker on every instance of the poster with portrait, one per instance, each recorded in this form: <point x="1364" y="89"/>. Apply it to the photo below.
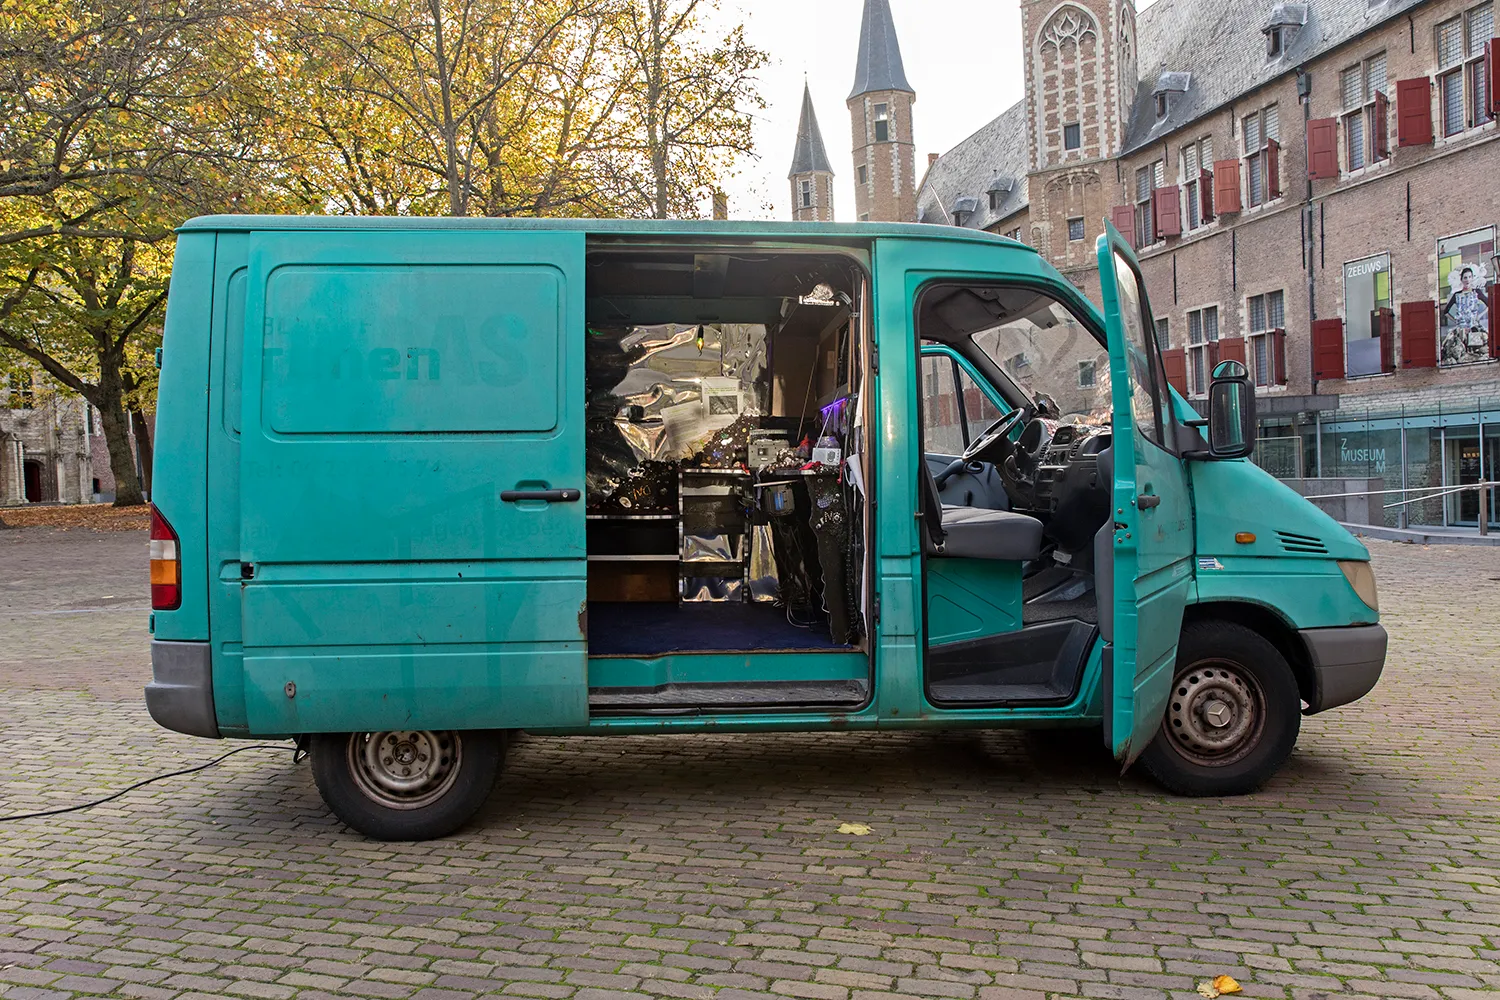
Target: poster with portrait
<point x="1466" y="270"/>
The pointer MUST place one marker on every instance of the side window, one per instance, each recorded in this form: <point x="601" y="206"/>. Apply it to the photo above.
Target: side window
<point x="955" y="410"/>
<point x="978" y="411"/>
<point x="1140" y="357"/>
<point x="942" y="420"/>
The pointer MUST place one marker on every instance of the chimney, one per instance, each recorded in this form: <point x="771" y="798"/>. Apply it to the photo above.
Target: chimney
<point x="931" y="159"/>
<point x="721" y="206"/>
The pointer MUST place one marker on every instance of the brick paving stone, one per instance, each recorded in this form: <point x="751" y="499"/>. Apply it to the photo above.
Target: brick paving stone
<point x="999" y="867"/>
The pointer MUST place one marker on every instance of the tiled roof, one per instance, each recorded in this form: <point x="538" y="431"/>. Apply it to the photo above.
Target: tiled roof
<point x="1221" y="46"/>
<point x="988" y="160"/>
<point x="1202" y="53"/>
<point x="879" y="60"/>
<point x="809" y="154"/>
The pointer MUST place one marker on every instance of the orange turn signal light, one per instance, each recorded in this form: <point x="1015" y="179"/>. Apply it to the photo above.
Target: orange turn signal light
<point x="1244" y="537"/>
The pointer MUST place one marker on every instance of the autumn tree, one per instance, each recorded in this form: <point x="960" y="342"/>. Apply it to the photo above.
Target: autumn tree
<point x="120" y="119"/>
<point x="456" y="107"/>
<point x="687" y="102"/>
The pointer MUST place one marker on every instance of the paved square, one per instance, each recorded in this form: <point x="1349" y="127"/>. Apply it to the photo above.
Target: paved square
<point x="999" y="866"/>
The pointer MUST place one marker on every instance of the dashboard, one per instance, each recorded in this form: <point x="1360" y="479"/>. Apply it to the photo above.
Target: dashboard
<point x="1053" y="473"/>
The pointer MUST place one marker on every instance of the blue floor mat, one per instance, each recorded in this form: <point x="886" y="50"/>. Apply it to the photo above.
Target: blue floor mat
<point x="630" y="629"/>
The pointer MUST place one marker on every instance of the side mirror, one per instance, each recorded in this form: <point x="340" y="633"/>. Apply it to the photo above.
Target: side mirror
<point x="1231" y="412"/>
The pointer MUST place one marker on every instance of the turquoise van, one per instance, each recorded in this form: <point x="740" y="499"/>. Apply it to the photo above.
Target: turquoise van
<point x="423" y="483"/>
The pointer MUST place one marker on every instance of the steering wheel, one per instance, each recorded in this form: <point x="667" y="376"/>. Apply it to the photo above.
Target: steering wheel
<point x="996" y="431"/>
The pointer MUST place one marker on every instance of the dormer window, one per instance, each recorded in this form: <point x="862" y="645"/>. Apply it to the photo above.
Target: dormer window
<point x="963" y="210"/>
<point x="1167" y="84"/>
<point x="1286" y="19"/>
<point x="999" y="190"/>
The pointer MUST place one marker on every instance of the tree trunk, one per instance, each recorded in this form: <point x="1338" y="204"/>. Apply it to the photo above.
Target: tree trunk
<point x="143" y="446"/>
<point x="117" y="437"/>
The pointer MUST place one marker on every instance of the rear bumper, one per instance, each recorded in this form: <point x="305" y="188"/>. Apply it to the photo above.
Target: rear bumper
<point x="1346" y="663"/>
<point x="181" y="693"/>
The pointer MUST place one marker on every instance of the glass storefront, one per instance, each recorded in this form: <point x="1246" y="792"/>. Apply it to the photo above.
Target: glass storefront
<point x="1411" y="449"/>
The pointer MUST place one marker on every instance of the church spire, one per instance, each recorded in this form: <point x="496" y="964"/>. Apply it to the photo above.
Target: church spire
<point x="811" y="175"/>
<point x="878" y="66"/>
<point x="809" y="156"/>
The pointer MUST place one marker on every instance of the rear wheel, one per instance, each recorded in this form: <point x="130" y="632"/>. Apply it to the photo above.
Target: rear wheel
<point x="407" y="784"/>
<point x="1233" y="716"/>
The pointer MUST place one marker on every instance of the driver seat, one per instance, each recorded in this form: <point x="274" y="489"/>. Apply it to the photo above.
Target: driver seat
<point x="975" y="532"/>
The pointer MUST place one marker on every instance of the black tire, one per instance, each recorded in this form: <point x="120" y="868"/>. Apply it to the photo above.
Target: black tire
<point x="1224" y="668"/>
<point x="449" y="776"/>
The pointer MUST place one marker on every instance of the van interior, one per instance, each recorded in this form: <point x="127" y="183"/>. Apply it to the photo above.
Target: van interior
<point x="726" y="499"/>
<point x="729" y="480"/>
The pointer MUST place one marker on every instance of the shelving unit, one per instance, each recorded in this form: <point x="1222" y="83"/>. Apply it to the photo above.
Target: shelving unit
<point x="708" y="506"/>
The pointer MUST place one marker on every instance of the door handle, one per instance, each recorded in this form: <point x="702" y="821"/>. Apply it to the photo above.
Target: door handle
<point x="1147" y="500"/>
<point x="550" y="496"/>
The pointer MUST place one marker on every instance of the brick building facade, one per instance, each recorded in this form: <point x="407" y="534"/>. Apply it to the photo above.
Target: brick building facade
<point x="1309" y="187"/>
<point x="52" y="448"/>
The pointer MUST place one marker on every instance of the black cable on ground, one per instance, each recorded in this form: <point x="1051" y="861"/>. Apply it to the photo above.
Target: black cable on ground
<point x="160" y="777"/>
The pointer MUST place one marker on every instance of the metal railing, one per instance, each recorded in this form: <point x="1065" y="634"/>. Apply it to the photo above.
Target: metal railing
<point x="1483" y="488"/>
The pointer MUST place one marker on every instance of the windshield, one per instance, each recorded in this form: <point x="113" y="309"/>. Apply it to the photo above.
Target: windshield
<point x="1045" y="350"/>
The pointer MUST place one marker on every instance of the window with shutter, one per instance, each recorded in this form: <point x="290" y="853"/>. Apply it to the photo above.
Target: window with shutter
<point x="1202" y="348"/>
<point x="1166" y="204"/>
<point x="1328" y="349"/>
<point x="1492" y="77"/>
<point x="1418" y="334"/>
<point x="1266" y="314"/>
<point x="1464" y="88"/>
<point x="1261" y="133"/>
<point x="1197" y="193"/>
<point x="1147" y="180"/>
<point x="1322" y="149"/>
<point x="1226" y="186"/>
<point x="1414" y="112"/>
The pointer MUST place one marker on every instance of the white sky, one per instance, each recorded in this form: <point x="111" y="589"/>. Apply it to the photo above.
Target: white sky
<point x="963" y="58"/>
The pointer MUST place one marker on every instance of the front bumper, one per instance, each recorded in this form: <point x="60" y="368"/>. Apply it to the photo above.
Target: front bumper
<point x="1346" y="663"/>
<point x="181" y="693"/>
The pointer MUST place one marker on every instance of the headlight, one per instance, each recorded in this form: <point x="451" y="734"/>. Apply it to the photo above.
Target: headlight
<point x="1362" y="578"/>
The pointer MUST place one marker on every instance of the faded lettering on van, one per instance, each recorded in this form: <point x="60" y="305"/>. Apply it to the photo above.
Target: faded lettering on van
<point x="353" y="349"/>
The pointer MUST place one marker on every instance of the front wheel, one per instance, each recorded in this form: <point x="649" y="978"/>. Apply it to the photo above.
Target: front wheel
<point x="1233" y="715"/>
<point x="407" y="784"/>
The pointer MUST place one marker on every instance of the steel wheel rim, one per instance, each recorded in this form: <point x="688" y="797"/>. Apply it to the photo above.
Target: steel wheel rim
<point x="1216" y="714"/>
<point x="406" y="768"/>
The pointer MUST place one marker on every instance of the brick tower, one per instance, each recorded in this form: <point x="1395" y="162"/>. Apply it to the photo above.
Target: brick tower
<point x="885" y="169"/>
<point x="1080" y="85"/>
<point x="811" y="175"/>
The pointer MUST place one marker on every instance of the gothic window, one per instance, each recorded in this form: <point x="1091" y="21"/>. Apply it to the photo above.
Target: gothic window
<point x="1075" y="230"/>
<point x="1069" y="77"/>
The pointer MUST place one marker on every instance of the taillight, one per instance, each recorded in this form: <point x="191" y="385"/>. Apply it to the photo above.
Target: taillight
<point x="166" y="564"/>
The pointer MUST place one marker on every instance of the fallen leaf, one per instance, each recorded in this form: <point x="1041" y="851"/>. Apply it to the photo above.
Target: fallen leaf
<point x="1218" y="986"/>
<point x="858" y="829"/>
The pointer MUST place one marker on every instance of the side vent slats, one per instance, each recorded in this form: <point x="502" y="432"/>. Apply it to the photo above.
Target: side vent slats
<point x="1302" y="544"/>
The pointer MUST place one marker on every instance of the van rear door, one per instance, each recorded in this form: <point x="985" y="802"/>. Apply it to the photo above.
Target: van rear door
<point x="412" y="449"/>
<point x="1152" y="542"/>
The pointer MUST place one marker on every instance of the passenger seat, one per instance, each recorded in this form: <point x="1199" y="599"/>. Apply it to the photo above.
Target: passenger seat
<point x="975" y="532"/>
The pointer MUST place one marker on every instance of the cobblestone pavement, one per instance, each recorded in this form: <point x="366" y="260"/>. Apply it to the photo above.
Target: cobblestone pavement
<point x="999" y="866"/>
